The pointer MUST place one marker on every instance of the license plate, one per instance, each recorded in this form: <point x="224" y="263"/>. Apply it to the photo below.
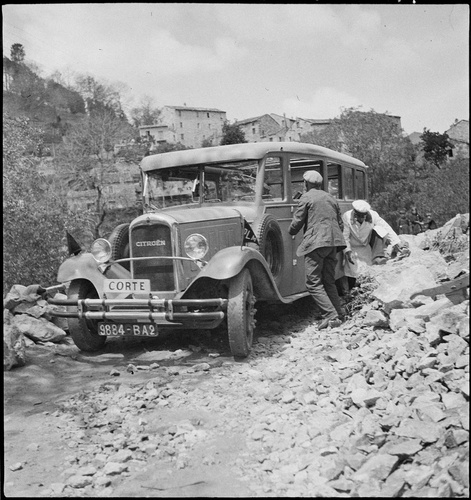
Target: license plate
<point x="126" y="286"/>
<point x="120" y="329"/>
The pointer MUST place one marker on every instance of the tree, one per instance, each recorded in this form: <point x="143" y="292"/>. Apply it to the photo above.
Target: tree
<point x="445" y="191"/>
<point x="376" y="139"/>
<point x="435" y="147"/>
<point x="86" y="156"/>
<point x="232" y="134"/>
<point x="35" y="215"/>
<point x="166" y="147"/>
<point x="30" y="87"/>
<point x="206" y="143"/>
<point x="146" y="113"/>
<point x="17" y="53"/>
<point x="100" y="97"/>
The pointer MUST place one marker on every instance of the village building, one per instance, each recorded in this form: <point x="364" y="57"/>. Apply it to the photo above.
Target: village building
<point x="186" y="125"/>
<point x="458" y="135"/>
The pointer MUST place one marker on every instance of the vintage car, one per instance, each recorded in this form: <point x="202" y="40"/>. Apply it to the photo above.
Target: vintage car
<point x="212" y="242"/>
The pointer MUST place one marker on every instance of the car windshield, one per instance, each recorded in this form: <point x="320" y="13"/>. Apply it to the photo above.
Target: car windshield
<point x="190" y="184"/>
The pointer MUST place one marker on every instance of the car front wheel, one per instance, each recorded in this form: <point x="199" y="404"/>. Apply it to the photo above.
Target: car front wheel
<point x="84" y="332"/>
<point x="240" y="314"/>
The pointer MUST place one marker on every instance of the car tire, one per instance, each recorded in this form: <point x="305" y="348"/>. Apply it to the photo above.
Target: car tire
<point x="270" y="241"/>
<point x="84" y="332"/>
<point x="119" y="240"/>
<point x="240" y="314"/>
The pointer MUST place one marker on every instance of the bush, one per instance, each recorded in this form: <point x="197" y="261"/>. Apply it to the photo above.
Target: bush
<point x="35" y="215"/>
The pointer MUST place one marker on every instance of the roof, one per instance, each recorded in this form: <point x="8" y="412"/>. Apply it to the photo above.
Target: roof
<point x="161" y="125"/>
<point x="249" y="120"/>
<point x="189" y="108"/>
<point x="238" y="152"/>
<point x="415" y="137"/>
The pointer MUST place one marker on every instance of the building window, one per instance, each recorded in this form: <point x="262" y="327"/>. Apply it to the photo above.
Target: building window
<point x="179" y="113"/>
<point x="207" y="114"/>
<point x="182" y="137"/>
<point x="197" y="125"/>
<point x="271" y="139"/>
<point x="253" y="130"/>
<point x="181" y="125"/>
<point x="197" y="115"/>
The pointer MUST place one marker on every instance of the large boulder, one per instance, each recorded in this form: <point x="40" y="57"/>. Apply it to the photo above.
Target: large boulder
<point x="20" y="294"/>
<point x="396" y="287"/>
<point x="38" y="329"/>
<point x="13" y="343"/>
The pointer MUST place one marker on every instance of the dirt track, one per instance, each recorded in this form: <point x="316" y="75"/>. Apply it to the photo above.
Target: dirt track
<point x="177" y="416"/>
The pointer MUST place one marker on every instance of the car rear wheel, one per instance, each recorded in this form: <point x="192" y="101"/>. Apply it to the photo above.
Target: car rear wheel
<point x="84" y="332"/>
<point x="240" y="314"/>
<point x="119" y="240"/>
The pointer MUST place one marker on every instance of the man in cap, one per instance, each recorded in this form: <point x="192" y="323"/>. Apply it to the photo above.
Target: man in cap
<point x="366" y="235"/>
<point x="319" y="214"/>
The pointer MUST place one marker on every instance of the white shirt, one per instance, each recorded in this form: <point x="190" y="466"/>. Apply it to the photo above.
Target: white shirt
<point x="357" y="237"/>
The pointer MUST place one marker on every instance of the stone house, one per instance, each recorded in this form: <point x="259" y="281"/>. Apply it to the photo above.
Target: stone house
<point x="188" y="125"/>
<point x="459" y="137"/>
<point x="277" y="128"/>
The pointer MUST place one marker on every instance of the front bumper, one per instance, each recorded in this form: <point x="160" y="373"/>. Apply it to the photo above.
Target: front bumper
<point x="189" y="313"/>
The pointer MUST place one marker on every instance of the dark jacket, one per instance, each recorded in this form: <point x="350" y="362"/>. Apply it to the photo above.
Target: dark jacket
<point x="320" y="212"/>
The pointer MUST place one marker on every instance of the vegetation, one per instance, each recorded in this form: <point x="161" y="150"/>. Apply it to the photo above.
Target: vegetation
<point x="232" y="134"/>
<point x="35" y="215"/>
<point x="146" y="113"/>
<point x="435" y="147"/>
<point x="87" y="154"/>
<point x="400" y="175"/>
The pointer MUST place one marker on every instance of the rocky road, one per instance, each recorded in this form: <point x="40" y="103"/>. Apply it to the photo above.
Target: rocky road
<point x="376" y="407"/>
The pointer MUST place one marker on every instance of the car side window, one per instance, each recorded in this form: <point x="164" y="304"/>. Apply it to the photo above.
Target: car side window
<point x="273" y="184"/>
<point x="349" y="190"/>
<point x="360" y="185"/>
<point x="298" y="166"/>
<point x="334" y="186"/>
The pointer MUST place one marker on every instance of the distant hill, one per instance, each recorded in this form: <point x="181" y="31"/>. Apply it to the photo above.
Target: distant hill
<point x="46" y="103"/>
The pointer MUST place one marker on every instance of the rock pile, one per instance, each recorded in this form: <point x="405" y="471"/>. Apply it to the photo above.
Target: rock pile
<point x="376" y="407"/>
<point x="26" y="320"/>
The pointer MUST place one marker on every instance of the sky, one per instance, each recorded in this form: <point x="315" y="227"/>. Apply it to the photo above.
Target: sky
<point x="302" y="60"/>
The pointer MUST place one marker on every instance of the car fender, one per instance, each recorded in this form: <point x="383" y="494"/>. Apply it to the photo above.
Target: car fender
<point x="230" y="261"/>
<point x="84" y="266"/>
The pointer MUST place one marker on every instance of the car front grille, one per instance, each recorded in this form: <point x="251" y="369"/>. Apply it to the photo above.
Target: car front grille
<point x="153" y="241"/>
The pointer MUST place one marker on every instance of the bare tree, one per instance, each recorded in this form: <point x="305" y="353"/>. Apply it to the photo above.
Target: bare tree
<point x="146" y="113"/>
<point x="87" y="155"/>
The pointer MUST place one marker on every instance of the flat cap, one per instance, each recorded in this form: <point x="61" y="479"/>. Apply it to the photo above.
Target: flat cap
<point x="361" y="206"/>
<point x="312" y="176"/>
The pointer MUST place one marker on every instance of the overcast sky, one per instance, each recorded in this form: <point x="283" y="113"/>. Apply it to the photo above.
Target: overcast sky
<point x="303" y="60"/>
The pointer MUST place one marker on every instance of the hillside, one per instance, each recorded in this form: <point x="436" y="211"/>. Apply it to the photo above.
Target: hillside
<point x="45" y="102"/>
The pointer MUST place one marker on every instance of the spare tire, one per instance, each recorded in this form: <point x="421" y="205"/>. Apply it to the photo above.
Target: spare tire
<point x="270" y="242"/>
<point x="119" y="239"/>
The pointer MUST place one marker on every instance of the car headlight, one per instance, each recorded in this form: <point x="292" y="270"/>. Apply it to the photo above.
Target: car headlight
<point x="101" y="250"/>
<point x="196" y="246"/>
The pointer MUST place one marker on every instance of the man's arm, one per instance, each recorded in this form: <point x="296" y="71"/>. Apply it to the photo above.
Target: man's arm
<point x="339" y="216"/>
<point x="299" y="217"/>
<point x="391" y="235"/>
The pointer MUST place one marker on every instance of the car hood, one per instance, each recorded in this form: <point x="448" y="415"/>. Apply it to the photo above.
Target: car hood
<point x="182" y="216"/>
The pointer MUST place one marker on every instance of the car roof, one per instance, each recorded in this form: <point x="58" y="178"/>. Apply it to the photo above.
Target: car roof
<point x="238" y="152"/>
